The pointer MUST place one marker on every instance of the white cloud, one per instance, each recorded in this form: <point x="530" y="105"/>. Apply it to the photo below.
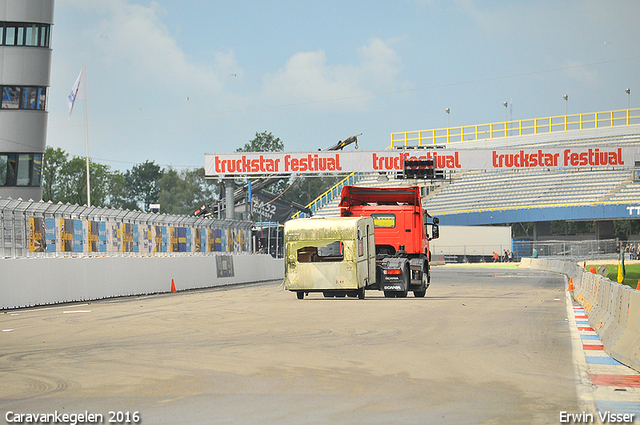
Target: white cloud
<point x="308" y="77"/>
<point x="132" y="39"/>
<point x="380" y="64"/>
<point x="131" y="43"/>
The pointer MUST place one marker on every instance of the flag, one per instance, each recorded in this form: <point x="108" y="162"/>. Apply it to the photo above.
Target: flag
<point x="76" y="92"/>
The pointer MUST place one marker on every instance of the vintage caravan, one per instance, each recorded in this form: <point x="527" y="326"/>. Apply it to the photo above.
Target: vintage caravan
<point x="332" y="255"/>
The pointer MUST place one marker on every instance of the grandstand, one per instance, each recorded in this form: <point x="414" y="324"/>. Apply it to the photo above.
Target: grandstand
<point x="486" y="197"/>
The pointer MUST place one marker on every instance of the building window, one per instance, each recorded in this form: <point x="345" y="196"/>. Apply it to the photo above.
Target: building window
<point x="24" y="98"/>
<point x="10" y="39"/>
<point x="20" y="169"/>
<point x="24" y="34"/>
<point x="11" y="97"/>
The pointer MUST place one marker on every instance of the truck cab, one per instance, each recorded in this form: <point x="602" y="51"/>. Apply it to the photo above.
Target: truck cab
<point x="401" y="233"/>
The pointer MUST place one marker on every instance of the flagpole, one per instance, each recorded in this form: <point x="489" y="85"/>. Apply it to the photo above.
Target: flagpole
<point x="86" y="134"/>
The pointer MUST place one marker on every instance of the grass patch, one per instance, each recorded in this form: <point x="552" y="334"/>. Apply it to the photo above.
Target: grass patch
<point x="631" y="277"/>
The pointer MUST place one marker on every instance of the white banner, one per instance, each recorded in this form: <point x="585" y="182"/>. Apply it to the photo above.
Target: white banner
<point x="264" y="163"/>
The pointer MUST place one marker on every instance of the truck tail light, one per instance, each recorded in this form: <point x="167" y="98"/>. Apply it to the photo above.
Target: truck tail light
<point x="393" y="271"/>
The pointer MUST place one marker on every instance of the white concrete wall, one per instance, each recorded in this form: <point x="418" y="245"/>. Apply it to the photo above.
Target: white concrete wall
<point x="613" y="309"/>
<point x="39" y="281"/>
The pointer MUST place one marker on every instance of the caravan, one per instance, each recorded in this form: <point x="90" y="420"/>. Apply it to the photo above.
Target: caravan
<point x="332" y="255"/>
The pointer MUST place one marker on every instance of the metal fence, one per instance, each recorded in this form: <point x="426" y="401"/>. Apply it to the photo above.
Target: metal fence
<point x="569" y="250"/>
<point x="587" y="249"/>
<point x="33" y="229"/>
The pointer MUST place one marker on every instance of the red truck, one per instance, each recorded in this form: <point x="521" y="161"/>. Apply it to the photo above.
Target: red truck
<point x="401" y="238"/>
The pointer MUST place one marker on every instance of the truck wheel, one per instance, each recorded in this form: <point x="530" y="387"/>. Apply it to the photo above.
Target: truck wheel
<point x="425" y="281"/>
<point x="300" y="295"/>
<point x="361" y="293"/>
<point x="428" y="274"/>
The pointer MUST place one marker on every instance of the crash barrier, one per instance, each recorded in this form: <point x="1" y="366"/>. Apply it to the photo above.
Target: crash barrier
<point x="45" y="229"/>
<point x="613" y="310"/>
<point x="27" y="282"/>
<point x="54" y="253"/>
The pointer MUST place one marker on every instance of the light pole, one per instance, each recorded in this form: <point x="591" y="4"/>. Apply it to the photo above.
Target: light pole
<point x="628" y="92"/>
<point x="506" y="111"/>
<point x="448" y="111"/>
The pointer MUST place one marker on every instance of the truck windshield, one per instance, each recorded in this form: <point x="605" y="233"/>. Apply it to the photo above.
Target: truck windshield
<point x="384" y="221"/>
<point x="315" y="254"/>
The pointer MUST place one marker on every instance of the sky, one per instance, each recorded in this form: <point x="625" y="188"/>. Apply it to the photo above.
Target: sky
<point x="168" y="81"/>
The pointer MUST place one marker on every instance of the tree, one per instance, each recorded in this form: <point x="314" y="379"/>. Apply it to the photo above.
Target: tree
<point x="183" y="192"/>
<point x="54" y="160"/>
<point x="142" y="183"/>
<point x="100" y="184"/>
<point x="119" y="195"/>
<point x="73" y="181"/>
<point x="65" y="180"/>
<point x="263" y="142"/>
<point x="207" y="188"/>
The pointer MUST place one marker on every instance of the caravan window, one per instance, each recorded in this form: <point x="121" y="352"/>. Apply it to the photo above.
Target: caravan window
<point x="333" y="251"/>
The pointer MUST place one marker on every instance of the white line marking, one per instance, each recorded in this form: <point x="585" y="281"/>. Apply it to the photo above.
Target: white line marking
<point x="583" y="381"/>
<point x="50" y="308"/>
<point x="77" y="311"/>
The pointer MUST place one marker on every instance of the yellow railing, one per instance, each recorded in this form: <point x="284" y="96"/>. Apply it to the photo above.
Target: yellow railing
<point x="516" y="128"/>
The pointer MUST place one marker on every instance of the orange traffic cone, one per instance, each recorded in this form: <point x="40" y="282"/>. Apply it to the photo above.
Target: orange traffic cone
<point x="570" y="288"/>
<point x="638" y="287"/>
<point x="173" y="286"/>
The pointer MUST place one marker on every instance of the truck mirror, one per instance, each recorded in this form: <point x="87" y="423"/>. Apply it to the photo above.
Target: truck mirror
<point x="436" y="220"/>
<point x="435" y="232"/>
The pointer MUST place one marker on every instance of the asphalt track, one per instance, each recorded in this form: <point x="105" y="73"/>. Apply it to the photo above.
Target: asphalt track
<point x="486" y="346"/>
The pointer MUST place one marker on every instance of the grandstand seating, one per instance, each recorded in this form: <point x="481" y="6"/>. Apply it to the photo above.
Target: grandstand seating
<point x="525" y="188"/>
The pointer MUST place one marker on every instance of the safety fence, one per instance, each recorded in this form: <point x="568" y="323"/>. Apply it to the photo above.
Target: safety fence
<point x="45" y="229"/>
<point x="521" y="248"/>
<point x="516" y="128"/>
<point x="613" y="310"/>
<point x="586" y="249"/>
